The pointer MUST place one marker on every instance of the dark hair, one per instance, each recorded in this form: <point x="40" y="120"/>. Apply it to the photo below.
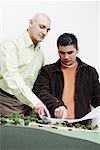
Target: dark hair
<point x="67" y="39"/>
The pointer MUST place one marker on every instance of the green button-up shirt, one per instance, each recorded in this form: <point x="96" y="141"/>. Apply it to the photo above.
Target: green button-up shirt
<point x="20" y="62"/>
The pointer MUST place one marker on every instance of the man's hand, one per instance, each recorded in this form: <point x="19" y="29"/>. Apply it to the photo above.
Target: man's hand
<point x="60" y="112"/>
<point x="41" y="109"/>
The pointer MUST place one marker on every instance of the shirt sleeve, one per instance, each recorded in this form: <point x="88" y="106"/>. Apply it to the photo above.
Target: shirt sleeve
<point x="96" y="88"/>
<point x="43" y="88"/>
<point x="11" y="75"/>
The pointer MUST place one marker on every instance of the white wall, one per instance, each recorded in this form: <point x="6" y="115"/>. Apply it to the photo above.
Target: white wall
<point x="78" y="17"/>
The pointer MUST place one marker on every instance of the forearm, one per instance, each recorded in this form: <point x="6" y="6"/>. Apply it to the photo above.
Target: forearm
<point x="20" y="90"/>
<point x="47" y="98"/>
<point x="42" y="88"/>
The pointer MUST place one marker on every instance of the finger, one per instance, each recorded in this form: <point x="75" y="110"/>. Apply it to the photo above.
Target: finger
<point x="60" y="113"/>
<point x="35" y="110"/>
<point x="38" y="111"/>
<point x="64" y="115"/>
<point x="42" y="112"/>
<point x="57" y="114"/>
<point x="47" y="113"/>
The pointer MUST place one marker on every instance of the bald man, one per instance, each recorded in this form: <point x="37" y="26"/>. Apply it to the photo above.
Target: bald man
<point x="20" y="62"/>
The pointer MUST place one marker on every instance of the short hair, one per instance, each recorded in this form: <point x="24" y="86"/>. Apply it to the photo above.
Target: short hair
<point x="67" y="39"/>
<point x="38" y="15"/>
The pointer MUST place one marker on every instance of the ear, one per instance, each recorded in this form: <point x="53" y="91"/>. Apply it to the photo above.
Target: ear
<point x="30" y="22"/>
<point x="58" y="50"/>
<point x="77" y="50"/>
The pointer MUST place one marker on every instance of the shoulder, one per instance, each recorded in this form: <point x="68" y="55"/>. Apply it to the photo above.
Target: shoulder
<point x="48" y="66"/>
<point x="52" y="66"/>
<point x="87" y="69"/>
<point x="10" y="43"/>
<point x="86" y="66"/>
<point x="90" y="70"/>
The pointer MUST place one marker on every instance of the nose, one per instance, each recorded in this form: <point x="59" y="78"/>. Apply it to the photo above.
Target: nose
<point x="66" y="56"/>
<point x="45" y="32"/>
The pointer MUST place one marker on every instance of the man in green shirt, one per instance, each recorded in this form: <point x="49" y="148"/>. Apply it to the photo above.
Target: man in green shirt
<point x="20" y="62"/>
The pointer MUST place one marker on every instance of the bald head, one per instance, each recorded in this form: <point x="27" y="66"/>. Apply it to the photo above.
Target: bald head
<point x="38" y="16"/>
<point x="39" y="26"/>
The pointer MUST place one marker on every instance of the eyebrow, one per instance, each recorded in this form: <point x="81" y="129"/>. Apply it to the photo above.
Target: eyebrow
<point x="69" y="52"/>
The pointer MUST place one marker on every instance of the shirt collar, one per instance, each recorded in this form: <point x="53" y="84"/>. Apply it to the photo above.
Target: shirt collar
<point x="57" y="66"/>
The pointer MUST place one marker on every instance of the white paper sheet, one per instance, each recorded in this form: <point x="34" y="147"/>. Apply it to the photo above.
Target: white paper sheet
<point x="95" y="113"/>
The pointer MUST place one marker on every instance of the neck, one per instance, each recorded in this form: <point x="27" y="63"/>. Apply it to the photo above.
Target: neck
<point x="69" y="66"/>
<point x="34" y="42"/>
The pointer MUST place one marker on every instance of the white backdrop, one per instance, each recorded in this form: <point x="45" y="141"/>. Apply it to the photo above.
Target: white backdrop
<point x="78" y="17"/>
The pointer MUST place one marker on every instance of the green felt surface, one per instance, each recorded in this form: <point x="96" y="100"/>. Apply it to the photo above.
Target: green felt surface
<point x="89" y="135"/>
<point x="24" y="138"/>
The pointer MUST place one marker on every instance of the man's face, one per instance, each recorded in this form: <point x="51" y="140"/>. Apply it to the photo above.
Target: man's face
<point x="67" y="55"/>
<point x="39" y="29"/>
